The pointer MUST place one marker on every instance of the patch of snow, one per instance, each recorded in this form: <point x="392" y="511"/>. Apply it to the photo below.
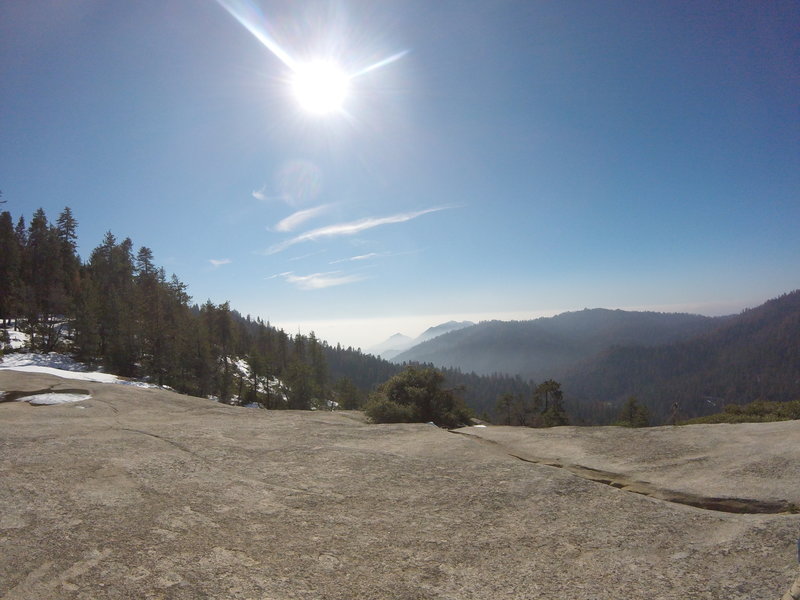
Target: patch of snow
<point x="242" y="366"/>
<point x="264" y="385"/>
<point x="484" y="426"/>
<point x="96" y="377"/>
<point x="18" y="340"/>
<point x="61" y="366"/>
<point x="53" y="398"/>
<point x="53" y="360"/>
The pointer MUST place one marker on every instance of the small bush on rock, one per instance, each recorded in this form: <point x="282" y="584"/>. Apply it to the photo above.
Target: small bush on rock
<point x="417" y="396"/>
<point x="380" y="410"/>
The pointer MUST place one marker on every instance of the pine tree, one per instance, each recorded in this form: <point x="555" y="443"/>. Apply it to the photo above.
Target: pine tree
<point x="46" y="301"/>
<point x="21" y="232"/>
<point x="319" y="367"/>
<point x="226" y="338"/>
<point x="549" y="396"/>
<point x="634" y="414"/>
<point x="347" y="394"/>
<point x="10" y="259"/>
<point x="299" y="380"/>
<point x="504" y="405"/>
<point x="111" y="269"/>
<point x="70" y="263"/>
<point x="86" y="324"/>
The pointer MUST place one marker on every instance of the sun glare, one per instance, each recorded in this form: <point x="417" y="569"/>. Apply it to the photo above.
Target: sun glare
<point x="320" y="87"/>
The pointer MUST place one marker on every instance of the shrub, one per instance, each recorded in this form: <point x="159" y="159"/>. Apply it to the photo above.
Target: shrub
<point x="758" y="411"/>
<point x="417" y="396"/>
<point x="381" y="410"/>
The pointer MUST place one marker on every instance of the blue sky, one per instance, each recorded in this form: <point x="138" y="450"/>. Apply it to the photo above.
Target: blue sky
<point x="511" y="159"/>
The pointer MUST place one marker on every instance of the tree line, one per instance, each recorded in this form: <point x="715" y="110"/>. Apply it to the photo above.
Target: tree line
<point x="119" y="311"/>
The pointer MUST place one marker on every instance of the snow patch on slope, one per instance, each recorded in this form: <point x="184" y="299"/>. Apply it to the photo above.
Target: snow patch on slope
<point x="53" y="398"/>
<point x="62" y="366"/>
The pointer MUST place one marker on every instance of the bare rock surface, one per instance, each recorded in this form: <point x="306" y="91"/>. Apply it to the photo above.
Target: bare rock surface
<point x="759" y="461"/>
<point x="144" y="493"/>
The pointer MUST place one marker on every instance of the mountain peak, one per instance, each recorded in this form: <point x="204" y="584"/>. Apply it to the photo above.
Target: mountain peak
<point x="441" y="329"/>
<point x="399" y="343"/>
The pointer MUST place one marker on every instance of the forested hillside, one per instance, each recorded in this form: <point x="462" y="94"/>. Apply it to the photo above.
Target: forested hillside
<point x="547" y="347"/>
<point x="118" y="310"/>
<point x="751" y="356"/>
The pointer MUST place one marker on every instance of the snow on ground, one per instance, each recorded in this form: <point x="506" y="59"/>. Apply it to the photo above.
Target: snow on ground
<point x="61" y="366"/>
<point x="17" y="339"/>
<point x="66" y="367"/>
<point x="53" y="398"/>
<point x="264" y="385"/>
<point x="52" y="360"/>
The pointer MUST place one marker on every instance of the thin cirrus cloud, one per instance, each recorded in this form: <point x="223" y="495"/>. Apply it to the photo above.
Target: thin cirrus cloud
<point x="357" y="258"/>
<point x="294" y="220"/>
<point x="309" y="255"/>
<point x="351" y="228"/>
<point x="216" y="263"/>
<point x="264" y="197"/>
<point x="318" y="281"/>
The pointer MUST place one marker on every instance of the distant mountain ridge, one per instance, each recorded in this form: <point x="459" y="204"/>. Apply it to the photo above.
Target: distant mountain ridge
<point x="392" y="346"/>
<point x="399" y="343"/>
<point x="680" y="366"/>
<point x="751" y="356"/>
<point x="550" y="346"/>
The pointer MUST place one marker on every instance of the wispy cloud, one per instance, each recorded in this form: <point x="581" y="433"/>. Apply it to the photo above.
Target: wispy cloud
<point x="351" y="228"/>
<point x="304" y="256"/>
<point x="260" y="194"/>
<point x="318" y="281"/>
<point x="357" y="258"/>
<point x="291" y="222"/>
<point x="216" y="263"/>
<point x="264" y="197"/>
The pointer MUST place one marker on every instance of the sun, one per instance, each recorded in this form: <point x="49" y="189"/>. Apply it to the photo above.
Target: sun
<point x="321" y="87"/>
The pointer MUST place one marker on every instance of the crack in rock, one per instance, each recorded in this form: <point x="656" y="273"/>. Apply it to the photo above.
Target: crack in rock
<point x="163" y="439"/>
<point x="748" y="506"/>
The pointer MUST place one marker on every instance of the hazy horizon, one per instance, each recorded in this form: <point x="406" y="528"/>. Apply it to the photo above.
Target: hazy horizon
<point x="361" y="169"/>
<point x="368" y="333"/>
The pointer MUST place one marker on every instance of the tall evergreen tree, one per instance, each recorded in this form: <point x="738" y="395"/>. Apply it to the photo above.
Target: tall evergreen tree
<point x="550" y="398"/>
<point x="111" y="269"/>
<point x="10" y="259"/>
<point x="634" y="414"/>
<point x="504" y="405"/>
<point x="347" y="394"/>
<point x="46" y="300"/>
<point x="21" y="232"/>
<point x="318" y="365"/>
